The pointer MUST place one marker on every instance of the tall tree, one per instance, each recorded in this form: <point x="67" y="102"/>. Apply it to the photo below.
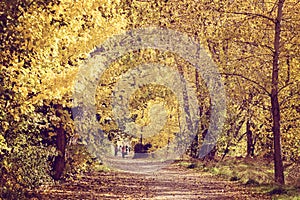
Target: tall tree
<point x="257" y="38"/>
<point x="279" y="177"/>
<point x="255" y="42"/>
<point x="42" y="44"/>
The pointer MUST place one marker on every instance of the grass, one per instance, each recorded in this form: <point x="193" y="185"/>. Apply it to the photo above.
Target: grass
<point x="279" y="192"/>
<point x="255" y="173"/>
<point x="98" y="167"/>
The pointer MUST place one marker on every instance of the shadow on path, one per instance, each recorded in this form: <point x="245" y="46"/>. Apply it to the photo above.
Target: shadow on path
<point x="171" y="182"/>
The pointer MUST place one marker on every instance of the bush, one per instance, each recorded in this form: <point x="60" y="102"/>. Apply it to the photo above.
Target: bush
<point x="78" y="160"/>
<point x="23" y="167"/>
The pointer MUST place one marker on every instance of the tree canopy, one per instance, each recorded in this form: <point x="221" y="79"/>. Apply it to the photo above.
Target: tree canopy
<point x="255" y="45"/>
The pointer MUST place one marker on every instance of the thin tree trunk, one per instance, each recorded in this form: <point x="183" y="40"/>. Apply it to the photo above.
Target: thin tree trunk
<point x="194" y="147"/>
<point x="188" y="119"/>
<point x="195" y="143"/>
<point x="250" y="144"/>
<point x="279" y="176"/>
<point x="59" y="162"/>
<point x="198" y="91"/>
<point x="235" y="134"/>
<point x="186" y="101"/>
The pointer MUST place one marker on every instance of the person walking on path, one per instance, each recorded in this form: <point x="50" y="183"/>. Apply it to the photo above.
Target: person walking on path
<point x="123" y="151"/>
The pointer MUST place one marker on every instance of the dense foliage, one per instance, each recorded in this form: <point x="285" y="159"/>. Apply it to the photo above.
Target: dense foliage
<point x="44" y="42"/>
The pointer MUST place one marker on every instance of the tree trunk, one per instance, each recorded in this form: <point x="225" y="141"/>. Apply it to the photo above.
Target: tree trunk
<point x="212" y="153"/>
<point x="198" y="91"/>
<point x="186" y="102"/>
<point x="279" y="176"/>
<point x="250" y="144"/>
<point x="194" y="147"/>
<point x="59" y="162"/>
<point x="195" y="143"/>
<point x="191" y="129"/>
<point x="237" y="128"/>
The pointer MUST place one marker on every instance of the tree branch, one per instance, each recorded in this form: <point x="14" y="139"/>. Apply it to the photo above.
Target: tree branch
<point x="285" y="86"/>
<point x="254" y="15"/>
<point x="248" y="79"/>
<point x="255" y="44"/>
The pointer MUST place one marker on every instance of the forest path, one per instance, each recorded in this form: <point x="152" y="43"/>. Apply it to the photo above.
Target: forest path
<point x="170" y="182"/>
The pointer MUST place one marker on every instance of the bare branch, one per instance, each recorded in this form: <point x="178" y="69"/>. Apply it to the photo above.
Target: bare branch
<point x="287" y="85"/>
<point x="254" y="15"/>
<point x="248" y="79"/>
<point x="254" y="44"/>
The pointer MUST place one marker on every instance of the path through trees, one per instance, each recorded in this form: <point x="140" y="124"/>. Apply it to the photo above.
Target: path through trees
<point x="171" y="182"/>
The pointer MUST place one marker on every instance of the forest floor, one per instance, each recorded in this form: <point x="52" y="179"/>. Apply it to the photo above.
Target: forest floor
<point x="172" y="181"/>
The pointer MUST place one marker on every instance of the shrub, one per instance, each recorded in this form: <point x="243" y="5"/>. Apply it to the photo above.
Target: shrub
<point x="78" y="160"/>
<point x="23" y="167"/>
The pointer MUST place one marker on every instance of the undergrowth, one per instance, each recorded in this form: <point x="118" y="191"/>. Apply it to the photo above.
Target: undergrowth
<point x="251" y="172"/>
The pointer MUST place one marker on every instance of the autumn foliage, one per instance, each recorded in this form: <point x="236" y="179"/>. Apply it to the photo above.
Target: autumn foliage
<point x="44" y="42"/>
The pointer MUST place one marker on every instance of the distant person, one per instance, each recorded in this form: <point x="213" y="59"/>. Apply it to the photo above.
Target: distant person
<point x="123" y="151"/>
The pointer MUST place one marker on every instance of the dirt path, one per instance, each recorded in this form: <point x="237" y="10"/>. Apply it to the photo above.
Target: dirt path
<point x="148" y="179"/>
<point x="170" y="182"/>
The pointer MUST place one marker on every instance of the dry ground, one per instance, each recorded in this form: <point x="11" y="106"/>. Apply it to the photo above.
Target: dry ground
<point x="170" y="182"/>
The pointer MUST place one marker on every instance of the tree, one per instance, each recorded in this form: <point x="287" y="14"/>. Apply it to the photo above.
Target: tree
<point x="261" y="47"/>
<point x="254" y="42"/>
<point x="42" y="45"/>
<point x="279" y="177"/>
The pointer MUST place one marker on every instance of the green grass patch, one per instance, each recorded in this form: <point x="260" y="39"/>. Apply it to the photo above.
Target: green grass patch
<point x="255" y="173"/>
<point x="184" y="164"/>
<point x="98" y="167"/>
<point x="280" y="192"/>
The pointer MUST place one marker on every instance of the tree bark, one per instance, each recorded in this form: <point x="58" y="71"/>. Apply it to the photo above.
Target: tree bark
<point x="195" y="143"/>
<point x="188" y="118"/>
<point x="250" y="144"/>
<point x="237" y="128"/>
<point x="59" y="162"/>
<point x="186" y="101"/>
<point x="278" y="165"/>
<point x="212" y="153"/>
<point x="194" y="147"/>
